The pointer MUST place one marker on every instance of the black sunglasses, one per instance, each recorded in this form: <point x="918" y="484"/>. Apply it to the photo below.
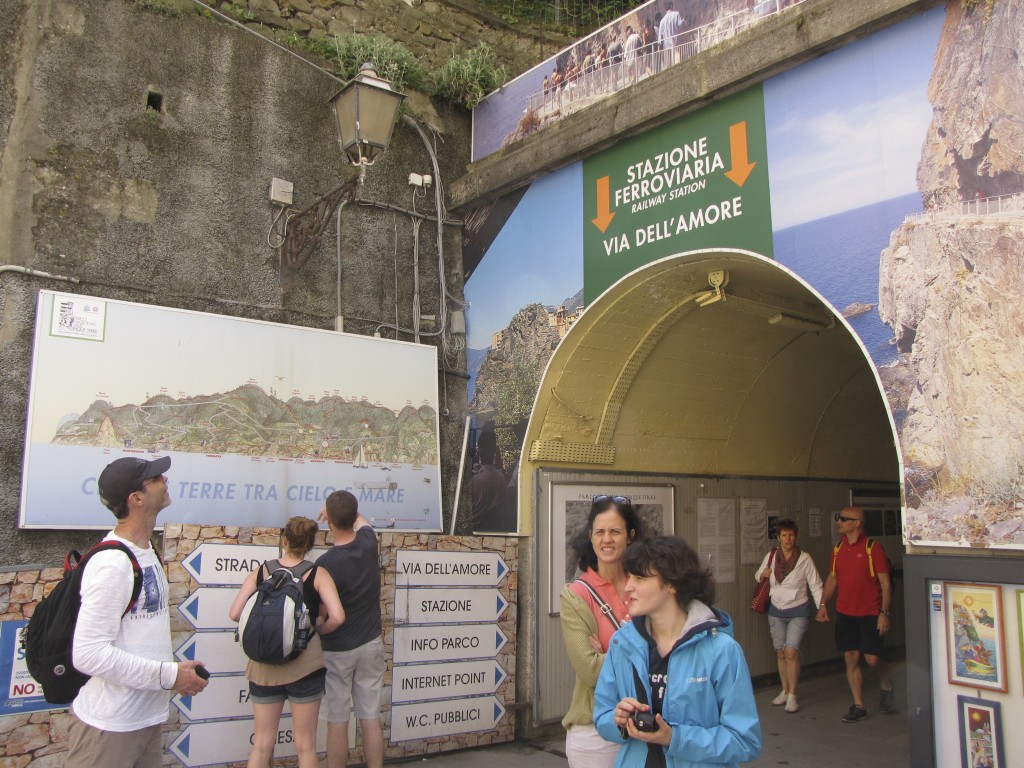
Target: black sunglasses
<point x="841" y="519"/>
<point x="616" y="499"/>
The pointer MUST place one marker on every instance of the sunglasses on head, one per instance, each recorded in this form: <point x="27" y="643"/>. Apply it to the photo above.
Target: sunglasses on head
<point x="616" y="499"/>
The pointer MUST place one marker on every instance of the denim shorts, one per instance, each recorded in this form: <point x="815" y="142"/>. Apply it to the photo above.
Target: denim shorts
<point x="787" y="633"/>
<point x="309" y="688"/>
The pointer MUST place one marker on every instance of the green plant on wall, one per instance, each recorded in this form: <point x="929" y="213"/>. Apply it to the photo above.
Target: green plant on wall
<point x="392" y="60"/>
<point x="467" y="78"/>
<point x="161" y="7"/>
<point x="239" y="10"/>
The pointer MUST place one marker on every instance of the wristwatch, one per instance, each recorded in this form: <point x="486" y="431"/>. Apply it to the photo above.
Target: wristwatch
<point x="885" y="613"/>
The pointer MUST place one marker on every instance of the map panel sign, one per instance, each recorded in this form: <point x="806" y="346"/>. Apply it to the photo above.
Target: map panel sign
<point x="261" y="417"/>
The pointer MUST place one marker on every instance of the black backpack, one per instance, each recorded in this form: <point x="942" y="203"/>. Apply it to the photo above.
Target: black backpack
<point x="47" y="639"/>
<point x="274" y="627"/>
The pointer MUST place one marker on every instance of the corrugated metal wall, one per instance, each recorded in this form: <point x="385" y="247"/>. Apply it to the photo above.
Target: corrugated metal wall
<point x="789" y="498"/>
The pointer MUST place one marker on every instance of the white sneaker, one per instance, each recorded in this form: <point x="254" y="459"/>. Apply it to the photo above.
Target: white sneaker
<point x="791" y="705"/>
<point x="781" y="699"/>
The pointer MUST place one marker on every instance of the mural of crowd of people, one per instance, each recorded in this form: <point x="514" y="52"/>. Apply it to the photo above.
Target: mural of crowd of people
<point x="645" y="41"/>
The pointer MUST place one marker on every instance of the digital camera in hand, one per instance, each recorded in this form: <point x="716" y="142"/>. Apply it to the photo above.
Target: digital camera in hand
<point x="644" y="721"/>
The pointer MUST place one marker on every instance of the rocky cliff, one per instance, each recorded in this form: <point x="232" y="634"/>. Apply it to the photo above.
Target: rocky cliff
<point x="951" y="286"/>
<point x="525" y="347"/>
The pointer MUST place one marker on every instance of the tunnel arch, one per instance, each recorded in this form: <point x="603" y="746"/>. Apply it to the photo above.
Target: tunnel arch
<point x="759" y="389"/>
<point x="768" y="380"/>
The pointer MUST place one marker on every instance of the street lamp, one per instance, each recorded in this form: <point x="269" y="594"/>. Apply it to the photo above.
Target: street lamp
<point x="365" y="110"/>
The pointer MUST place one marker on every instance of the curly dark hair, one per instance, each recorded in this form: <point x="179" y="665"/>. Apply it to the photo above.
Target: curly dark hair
<point x="583" y="546"/>
<point x="676" y="563"/>
<point x="787" y="524"/>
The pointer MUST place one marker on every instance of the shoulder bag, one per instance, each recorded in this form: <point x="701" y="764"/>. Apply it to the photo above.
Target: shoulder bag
<point x="762" y="592"/>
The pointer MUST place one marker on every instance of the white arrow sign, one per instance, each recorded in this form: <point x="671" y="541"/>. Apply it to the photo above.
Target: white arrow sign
<point x="225" y="696"/>
<point x="418" y="568"/>
<point x="444" y="718"/>
<point x="217" y="650"/>
<point x="446" y="606"/>
<point x="444" y="643"/>
<point x="422" y="682"/>
<point x="228" y="741"/>
<point x="207" y="608"/>
<point x="226" y="564"/>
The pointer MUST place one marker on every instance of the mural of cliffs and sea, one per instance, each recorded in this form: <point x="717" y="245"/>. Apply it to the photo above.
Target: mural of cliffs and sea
<point x="896" y="181"/>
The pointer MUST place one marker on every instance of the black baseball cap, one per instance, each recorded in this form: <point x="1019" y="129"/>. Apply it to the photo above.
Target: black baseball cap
<point x="121" y="478"/>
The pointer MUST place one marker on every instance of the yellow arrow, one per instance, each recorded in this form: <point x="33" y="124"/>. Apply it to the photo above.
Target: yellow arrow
<point x="604" y="204"/>
<point x="741" y="167"/>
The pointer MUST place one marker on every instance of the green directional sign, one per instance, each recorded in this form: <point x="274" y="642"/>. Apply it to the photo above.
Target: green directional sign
<point x="698" y="182"/>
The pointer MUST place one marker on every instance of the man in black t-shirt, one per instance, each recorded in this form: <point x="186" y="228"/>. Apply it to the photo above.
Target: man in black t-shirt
<point x="354" y="652"/>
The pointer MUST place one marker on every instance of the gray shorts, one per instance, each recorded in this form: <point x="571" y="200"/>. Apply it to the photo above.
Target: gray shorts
<point x="354" y="682"/>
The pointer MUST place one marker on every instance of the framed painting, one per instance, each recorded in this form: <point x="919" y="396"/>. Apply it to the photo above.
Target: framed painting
<point x="981" y="733"/>
<point x="975" y="653"/>
<point x="1020" y="628"/>
<point x="570" y="505"/>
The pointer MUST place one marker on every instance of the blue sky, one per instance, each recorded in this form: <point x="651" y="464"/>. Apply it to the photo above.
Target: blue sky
<point x="537" y="256"/>
<point x="834" y="122"/>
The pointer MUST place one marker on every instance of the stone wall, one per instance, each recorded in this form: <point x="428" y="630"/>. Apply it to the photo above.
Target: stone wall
<point x="433" y="30"/>
<point x="117" y="199"/>
<point x="39" y="739"/>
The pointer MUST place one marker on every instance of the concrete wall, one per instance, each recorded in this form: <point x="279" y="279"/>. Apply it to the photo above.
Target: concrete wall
<point x="171" y="207"/>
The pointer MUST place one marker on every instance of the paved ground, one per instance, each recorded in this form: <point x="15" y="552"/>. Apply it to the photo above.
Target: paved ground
<point x="814" y="737"/>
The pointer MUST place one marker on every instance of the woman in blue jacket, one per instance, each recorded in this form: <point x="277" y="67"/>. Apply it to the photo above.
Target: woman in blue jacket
<point x="677" y="660"/>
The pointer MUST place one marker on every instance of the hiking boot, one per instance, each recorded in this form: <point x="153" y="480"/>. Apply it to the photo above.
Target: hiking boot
<point x="855" y="714"/>
<point x="791" y="705"/>
<point x="779" y="700"/>
<point x="886" y="704"/>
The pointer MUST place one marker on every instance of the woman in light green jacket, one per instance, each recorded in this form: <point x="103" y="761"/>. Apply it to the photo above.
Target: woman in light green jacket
<point x="592" y="608"/>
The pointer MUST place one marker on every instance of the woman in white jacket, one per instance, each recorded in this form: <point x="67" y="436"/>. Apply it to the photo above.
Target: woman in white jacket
<point x="795" y="595"/>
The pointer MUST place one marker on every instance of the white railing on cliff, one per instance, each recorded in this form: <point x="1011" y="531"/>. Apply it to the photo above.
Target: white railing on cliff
<point x="983" y="206"/>
<point x="582" y="88"/>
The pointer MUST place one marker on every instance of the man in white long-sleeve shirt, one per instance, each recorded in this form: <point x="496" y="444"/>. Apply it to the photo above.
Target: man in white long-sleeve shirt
<point x="120" y="711"/>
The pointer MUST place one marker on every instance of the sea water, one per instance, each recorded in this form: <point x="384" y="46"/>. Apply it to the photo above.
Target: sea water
<point x="839" y="256"/>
